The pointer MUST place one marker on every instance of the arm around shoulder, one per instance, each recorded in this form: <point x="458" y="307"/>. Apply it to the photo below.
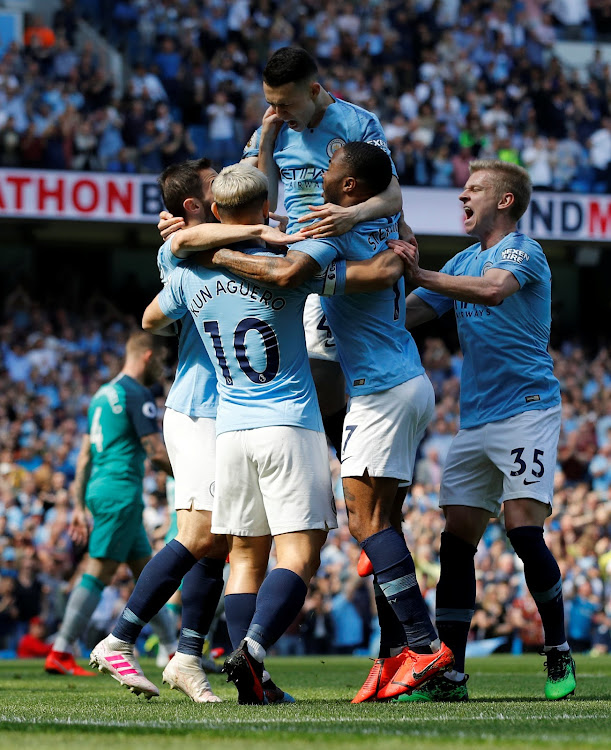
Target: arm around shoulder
<point x="373" y="274"/>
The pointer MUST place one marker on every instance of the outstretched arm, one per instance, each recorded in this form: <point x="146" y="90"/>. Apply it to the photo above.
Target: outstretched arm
<point x="490" y="289"/>
<point x="373" y="274"/>
<point x="331" y="219"/>
<point x="286" y="271"/>
<point x="209" y="236"/>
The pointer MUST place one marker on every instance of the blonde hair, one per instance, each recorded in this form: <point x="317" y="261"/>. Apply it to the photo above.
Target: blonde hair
<point x="507" y="177"/>
<point x="140" y="342"/>
<point x="238" y="186"/>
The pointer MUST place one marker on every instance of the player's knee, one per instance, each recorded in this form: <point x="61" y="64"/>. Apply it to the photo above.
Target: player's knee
<point x="364" y="523"/>
<point x="526" y="541"/>
<point x="204" y="544"/>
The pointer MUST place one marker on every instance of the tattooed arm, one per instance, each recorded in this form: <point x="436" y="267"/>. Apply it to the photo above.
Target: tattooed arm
<point x="286" y="271"/>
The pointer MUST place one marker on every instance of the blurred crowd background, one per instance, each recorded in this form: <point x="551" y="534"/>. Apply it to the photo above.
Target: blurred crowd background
<point x="53" y="360"/>
<point x="450" y="81"/>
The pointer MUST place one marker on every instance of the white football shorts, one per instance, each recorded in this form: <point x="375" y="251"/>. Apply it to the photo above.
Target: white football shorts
<point x="506" y="460"/>
<point x="272" y="480"/>
<point x="319" y="339"/>
<point x="382" y="431"/>
<point x="191" y="446"/>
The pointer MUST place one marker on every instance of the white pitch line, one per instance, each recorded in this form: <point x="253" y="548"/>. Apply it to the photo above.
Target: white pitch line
<point x="267" y="721"/>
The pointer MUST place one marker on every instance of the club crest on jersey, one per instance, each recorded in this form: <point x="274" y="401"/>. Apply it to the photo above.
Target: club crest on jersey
<point x="149" y="409"/>
<point x="334" y="145"/>
<point x="514" y="255"/>
<point x="487" y="266"/>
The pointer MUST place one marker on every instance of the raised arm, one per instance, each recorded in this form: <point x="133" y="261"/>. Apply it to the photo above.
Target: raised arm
<point x="269" y="130"/>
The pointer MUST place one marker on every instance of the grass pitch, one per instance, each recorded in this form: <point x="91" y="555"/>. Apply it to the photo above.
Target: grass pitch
<point x="506" y="711"/>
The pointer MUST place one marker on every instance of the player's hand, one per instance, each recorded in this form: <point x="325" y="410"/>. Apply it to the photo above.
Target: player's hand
<point x="406" y="233"/>
<point x="409" y="254"/>
<point x="79" y="527"/>
<point x="329" y="220"/>
<point x="274" y="236"/>
<point x="270" y="127"/>
<point x="168" y="224"/>
<point x="283" y="221"/>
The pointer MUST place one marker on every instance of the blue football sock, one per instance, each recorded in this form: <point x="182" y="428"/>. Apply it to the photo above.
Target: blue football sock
<point x="239" y="611"/>
<point x="396" y="576"/>
<point x="392" y="633"/>
<point x="543" y="579"/>
<point x="279" y="601"/>
<point x="455" y="595"/>
<point x="201" y="590"/>
<point x="158" y="581"/>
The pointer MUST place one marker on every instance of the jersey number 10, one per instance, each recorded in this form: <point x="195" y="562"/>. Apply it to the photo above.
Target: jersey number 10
<point x="270" y="342"/>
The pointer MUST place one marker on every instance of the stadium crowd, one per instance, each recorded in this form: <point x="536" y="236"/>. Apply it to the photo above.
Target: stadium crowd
<point x="449" y="80"/>
<point x="53" y="360"/>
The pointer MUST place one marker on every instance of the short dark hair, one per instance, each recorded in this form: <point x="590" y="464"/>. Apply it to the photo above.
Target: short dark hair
<point x="289" y="65"/>
<point x="181" y="181"/>
<point x="369" y="164"/>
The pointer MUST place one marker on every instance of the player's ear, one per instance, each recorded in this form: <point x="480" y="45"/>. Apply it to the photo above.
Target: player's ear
<point x="265" y="208"/>
<point x="191" y="206"/>
<point x="507" y="199"/>
<point x="314" y="90"/>
<point x="349" y="184"/>
<point x="215" y="210"/>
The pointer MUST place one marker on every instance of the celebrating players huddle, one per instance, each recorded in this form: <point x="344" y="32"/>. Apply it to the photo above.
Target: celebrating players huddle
<point x="243" y="425"/>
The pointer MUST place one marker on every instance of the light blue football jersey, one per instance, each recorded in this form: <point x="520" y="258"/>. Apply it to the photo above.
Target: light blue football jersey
<point x="193" y="391"/>
<point x="507" y="368"/>
<point x="302" y="158"/>
<point x="375" y="350"/>
<point x="254" y="336"/>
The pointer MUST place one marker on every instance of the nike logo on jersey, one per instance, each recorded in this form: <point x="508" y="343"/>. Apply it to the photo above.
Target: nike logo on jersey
<point x="534" y="481"/>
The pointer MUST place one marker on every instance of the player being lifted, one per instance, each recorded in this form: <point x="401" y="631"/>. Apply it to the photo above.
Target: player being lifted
<point x="272" y="469"/>
<point x="504" y="454"/>
<point x="391" y="403"/>
<point x="302" y="128"/>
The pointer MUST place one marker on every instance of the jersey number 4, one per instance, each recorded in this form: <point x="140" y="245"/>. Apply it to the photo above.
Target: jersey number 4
<point x="270" y="343"/>
<point x="95" y="433"/>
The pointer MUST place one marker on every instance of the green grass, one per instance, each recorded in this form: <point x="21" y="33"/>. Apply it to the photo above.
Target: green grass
<point x="506" y="710"/>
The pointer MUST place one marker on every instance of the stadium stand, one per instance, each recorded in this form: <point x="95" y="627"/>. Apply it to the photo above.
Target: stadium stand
<point x="526" y="81"/>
